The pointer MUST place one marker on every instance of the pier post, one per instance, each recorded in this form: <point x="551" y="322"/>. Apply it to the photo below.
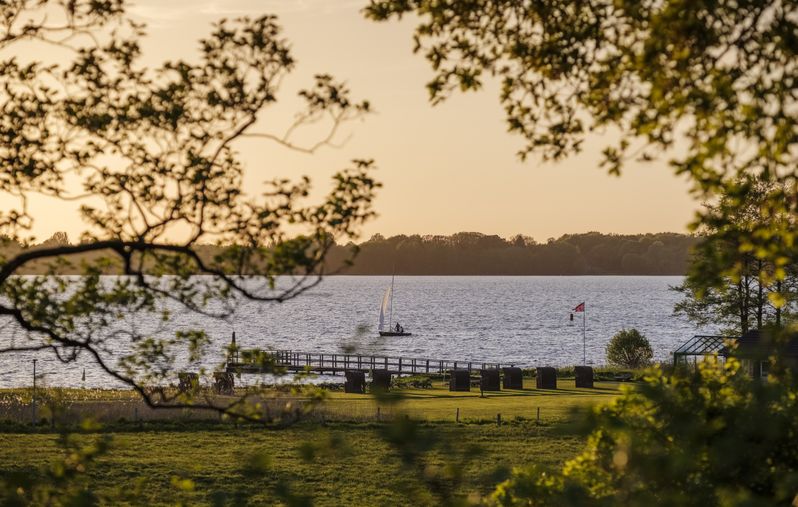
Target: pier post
<point x="34" y="392"/>
<point x="234" y="349"/>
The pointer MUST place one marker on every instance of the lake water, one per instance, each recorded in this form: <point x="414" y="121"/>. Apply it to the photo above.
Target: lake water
<point x="505" y="319"/>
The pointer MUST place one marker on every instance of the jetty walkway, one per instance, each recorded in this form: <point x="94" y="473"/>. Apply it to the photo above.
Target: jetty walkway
<point x="339" y="363"/>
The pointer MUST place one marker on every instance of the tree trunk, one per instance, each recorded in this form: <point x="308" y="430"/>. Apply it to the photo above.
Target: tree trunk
<point x="741" y="308"/>
<point x="760" y="298"/>
<point x="744" y="293"/>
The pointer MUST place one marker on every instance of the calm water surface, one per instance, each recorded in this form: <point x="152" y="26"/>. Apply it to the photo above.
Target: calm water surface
<point x="509" y="319"/>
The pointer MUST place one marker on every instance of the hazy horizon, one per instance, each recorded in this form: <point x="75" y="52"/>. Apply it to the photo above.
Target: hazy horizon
<point x="539" y="240"/>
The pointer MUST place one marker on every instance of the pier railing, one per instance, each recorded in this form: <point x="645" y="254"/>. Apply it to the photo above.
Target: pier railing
<point x="332" y="363"/>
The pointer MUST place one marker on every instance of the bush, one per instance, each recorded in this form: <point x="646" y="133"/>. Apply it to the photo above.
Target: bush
<point x="708" y="437"/>
<point x="412" y="382"/>
<point x="629" y="349"/>
<point x="607" y="373"/>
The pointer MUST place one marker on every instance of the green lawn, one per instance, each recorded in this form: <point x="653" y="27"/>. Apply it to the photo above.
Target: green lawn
<point x="357" y="468"/>
<point x="439" y="404"/>
<point x="352" y="464"/>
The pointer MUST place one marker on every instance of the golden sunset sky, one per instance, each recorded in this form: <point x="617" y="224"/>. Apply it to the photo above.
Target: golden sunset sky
<point x="445" y="169"/>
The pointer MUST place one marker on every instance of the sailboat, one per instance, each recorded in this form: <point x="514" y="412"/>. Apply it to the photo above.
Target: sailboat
<point x="386" y="309"/>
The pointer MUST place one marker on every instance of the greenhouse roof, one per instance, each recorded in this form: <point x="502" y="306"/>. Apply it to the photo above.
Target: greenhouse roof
<point x="704" y="345"/>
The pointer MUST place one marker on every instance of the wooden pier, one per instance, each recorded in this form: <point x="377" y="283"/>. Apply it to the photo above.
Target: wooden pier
<point x="338" y="363"/>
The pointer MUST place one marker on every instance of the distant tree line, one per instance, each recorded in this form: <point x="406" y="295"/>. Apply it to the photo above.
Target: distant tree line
<point x="472" y="253"/>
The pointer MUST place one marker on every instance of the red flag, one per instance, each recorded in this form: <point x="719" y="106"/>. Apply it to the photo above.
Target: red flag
<point x="580" y="307"/>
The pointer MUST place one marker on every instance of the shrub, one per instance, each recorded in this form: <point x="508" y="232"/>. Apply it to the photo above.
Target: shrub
<point x="712" y="436"/>
<point x="412" y="382"/>
<point x="629" y="349"/>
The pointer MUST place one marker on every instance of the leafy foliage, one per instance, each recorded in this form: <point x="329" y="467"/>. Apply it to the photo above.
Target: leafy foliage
<point x="629" y="349"/>
<point x="709" y="84"/>
<point x="149" y="155"/>
<point x="712" y="86"/>
<point x="760" y="292"/>
<point x="712" y="437"/>
<point x="339" y="463"/>
<point x="64" y="481"/>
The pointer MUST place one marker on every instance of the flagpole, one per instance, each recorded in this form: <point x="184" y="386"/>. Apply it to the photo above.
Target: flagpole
<point x="584" y="339"/>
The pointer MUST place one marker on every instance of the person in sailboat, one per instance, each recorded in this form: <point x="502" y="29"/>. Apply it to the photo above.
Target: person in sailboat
<point x="399" y="329"/>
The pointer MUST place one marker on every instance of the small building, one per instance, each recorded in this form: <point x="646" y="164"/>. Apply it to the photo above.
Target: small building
<point x="355" y="382"/>
<point x="489" y="379"/>
<point x="460" y="380"/>
<point x="380" y="380"/>
<point x="546" y="378"/>
<point x="513" y="377"/>
<point x="701" y="346"/>
<point x="583" y="377"/>
<point x="188" y="382"/>
<point x="224" y="383"/>
<point x="753" y="349"/>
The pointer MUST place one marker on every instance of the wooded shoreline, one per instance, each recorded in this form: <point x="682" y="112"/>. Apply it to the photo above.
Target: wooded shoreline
<point x="472" y="254"/>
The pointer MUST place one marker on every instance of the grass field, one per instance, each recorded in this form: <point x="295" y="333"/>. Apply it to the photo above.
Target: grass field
<point x="359" y="468"/>
<point x="436" y="404"/>
<point x="439" y="404"/>
<point x="352" y="463"/>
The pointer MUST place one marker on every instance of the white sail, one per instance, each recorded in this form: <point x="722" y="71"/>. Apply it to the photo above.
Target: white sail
<point x="385" y="308"/>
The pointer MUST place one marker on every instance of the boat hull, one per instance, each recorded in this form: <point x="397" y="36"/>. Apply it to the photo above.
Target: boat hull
<point x="394" y="333"/>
